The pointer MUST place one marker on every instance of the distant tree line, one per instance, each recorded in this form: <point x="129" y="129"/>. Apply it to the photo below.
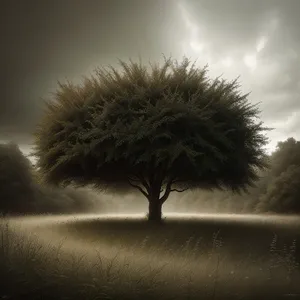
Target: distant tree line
<point x="277" y="190"/>
<point x="21" y="191"/>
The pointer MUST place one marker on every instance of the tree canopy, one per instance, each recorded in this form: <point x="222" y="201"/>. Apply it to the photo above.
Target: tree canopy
<point x="282" y="184"/>
<point x="159" y="129"/>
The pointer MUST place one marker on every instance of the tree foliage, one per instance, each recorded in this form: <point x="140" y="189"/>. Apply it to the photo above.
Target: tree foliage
<point x="282" y="185"/>
<point x="159" y="129"/>
<point x="21" y="193"/>
<point x="277" y="191"/>
<point x="16" y="184"/>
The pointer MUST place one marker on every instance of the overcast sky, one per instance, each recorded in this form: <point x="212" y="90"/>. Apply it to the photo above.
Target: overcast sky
<point x="45" y="41"/>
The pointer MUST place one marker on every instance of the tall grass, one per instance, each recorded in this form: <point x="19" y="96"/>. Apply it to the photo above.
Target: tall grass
<point x="30" y="269"/>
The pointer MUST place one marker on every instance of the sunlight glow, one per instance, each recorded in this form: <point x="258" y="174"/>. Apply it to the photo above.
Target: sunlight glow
<point x="191" y="45"/>
<point x="196" y="46"/>
<point x="250" y="61"/>
<point x="227" y="62"/>
<point x="261" y="43"/>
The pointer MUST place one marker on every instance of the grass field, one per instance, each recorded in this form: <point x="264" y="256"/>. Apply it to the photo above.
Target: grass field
<point x="119" y="257"/>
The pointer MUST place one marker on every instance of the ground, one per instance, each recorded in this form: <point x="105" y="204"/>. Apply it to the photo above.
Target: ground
<point x="125" y="257"/>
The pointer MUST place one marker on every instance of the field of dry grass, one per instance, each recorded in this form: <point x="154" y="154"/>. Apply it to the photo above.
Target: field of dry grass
<point x="87" y="257"/>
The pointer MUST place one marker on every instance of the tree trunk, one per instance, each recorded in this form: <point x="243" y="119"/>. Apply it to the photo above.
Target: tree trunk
<point x="155" y="207"/>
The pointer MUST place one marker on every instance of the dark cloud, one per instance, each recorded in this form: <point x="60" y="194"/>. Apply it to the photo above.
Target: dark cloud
<point x="46" y="41"/>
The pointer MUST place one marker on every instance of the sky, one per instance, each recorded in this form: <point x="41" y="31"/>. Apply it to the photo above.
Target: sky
<point x="43" y="42"/>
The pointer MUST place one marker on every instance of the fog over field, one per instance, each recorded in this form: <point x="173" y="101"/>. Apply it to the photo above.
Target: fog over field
<point x="219" y="258"/>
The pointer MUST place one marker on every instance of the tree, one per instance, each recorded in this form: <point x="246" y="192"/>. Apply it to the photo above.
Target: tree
<point x="159" y="130"/>
<point x="287" y="153"/>
<point x="281" y="187"/>
<point x="16" y="184"/>
<point x="282" y="195"/>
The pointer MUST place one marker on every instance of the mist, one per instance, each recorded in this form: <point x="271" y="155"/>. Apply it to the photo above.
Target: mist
<point x="275" y="192"/>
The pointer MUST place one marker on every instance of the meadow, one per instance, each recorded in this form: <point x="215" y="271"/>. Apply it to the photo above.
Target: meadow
<point x="126" y="257"/>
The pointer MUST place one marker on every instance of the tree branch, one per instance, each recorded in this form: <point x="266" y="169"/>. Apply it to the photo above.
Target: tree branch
<point x="145" y="183"/>
<point x="177" y="181"/>
<point x="139" y="188"/>
<point x="179" y="191"/>
<point x="140" y="179"/>
<point x="136" y="180"/>
<point x="167" y="191"/>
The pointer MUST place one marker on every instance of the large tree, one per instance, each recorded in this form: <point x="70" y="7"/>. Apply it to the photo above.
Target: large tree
<point x="157" y="129"/>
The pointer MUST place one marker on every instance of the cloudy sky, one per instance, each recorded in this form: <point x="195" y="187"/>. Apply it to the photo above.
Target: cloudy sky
<point x="46" y="41"/>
